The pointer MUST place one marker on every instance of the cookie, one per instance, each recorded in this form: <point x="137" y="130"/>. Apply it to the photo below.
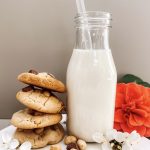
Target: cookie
<point x="40" y="100"/>
<point x="41" y="137"/>
<point x="29" y="119"/>
<point x="43" y="80"/>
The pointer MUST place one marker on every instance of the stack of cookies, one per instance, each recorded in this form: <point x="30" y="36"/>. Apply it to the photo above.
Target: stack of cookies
<point x="39" y="122"/>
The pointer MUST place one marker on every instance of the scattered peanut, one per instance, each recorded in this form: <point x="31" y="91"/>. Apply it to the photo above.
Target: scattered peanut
<point x="55" y="147"/>
<point x="70" y="139"/>
<point x="81" y="144"/>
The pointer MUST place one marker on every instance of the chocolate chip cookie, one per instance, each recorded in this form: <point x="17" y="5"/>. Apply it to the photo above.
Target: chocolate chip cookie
<point x="41" y="137"/>
<point x="40" y="100"/>
<point x="30" y="119"/>
<point x="43" y="80"/>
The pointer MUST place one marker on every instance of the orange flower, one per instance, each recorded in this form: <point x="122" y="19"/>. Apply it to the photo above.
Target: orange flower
<point x="132" y="110"/>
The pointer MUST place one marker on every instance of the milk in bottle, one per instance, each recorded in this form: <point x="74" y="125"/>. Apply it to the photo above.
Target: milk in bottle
<point x="91" y="79"/>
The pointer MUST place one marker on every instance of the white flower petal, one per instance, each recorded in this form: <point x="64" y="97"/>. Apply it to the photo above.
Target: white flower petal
<point x="126" y="146"/>
<point x="1" y="140"/>
<point x="120" y="137"/>
<point x="98" y="137"/>
<point x="126" y="134"/>
<point x="4" y="147"/>
<point x="106" y="146"/>
<point x="111" y="134"/>
<point x="6" y="137"/>
<point x="133" y="138"/>
<point x="13" y="144"/>
<point x="26" y="146"/>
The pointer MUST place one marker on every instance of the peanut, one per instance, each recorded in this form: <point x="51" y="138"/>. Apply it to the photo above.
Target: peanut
<point x="81" y="144"/>
<point x="70" y="139"/>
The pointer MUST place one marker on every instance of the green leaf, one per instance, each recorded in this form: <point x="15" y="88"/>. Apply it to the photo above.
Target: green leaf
<point x="146" y="84"/>
<point x="130" y="78"/>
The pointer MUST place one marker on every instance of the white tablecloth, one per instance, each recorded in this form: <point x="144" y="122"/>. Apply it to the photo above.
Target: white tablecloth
<point x="143" y="145"/>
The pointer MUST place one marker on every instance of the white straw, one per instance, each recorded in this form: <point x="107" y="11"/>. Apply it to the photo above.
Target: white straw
<point x="81" y="9"/>
<point x="80" y="6"/>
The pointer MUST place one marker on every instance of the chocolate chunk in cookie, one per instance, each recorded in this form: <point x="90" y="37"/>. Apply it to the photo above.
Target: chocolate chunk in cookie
<point x="33" y="72"/>
<point x="28" y="88"/>
<point x="51" y="75"/>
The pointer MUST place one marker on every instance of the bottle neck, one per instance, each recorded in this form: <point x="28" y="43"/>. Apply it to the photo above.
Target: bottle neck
<point x="99" y="37"/>
<point x="92" y="30"/>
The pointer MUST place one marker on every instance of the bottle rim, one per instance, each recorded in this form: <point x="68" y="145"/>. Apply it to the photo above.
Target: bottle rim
<point x="96" y="14"/>
<point x="93" y="18"/>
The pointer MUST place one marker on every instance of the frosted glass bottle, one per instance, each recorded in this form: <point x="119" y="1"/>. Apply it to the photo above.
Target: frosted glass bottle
<point x="91" y="78"/>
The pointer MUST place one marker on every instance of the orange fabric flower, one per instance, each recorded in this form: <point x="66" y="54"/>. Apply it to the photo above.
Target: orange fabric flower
<point x="132" y="110"/>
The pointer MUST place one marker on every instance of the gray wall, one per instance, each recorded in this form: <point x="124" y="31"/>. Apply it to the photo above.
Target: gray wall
<point x="40" y="34"/>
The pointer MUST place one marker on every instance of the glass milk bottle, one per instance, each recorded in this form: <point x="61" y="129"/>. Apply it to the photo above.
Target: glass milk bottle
<point x="91" y="78"/>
